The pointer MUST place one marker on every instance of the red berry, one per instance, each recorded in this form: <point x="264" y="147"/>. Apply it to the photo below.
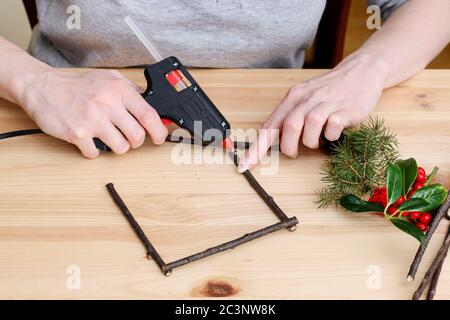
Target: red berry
<point x="380" y="191"/>
<point x="379" y="196"/>
<point x="376" y="195"/>
<point x="391" y="210"/>
<point x="410" y="194"/>
<point x="425" y="218"/>
<point x="415" y="215"/>
<point x="421" y="170"/>
<point x="382" y="198"/>
<point x="421" y="178"/>
<point x="400" y="201"/>
<point x="405" y="214"/>
<point x="421" y="226"/>
<point x="417" y="185"/>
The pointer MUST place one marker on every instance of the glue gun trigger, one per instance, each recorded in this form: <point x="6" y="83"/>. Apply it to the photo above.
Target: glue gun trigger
<point x="166" y="122"/>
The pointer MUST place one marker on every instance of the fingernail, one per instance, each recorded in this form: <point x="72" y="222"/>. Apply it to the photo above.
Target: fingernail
<point x="159" y="142"/>
<point x="124" y="149"/>
<point x="242" y="167"/>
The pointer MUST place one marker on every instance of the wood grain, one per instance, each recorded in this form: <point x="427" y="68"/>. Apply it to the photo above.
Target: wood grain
<point x="55" y="211"/>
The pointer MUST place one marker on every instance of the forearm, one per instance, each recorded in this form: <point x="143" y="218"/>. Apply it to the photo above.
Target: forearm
<point x="410" y="39"/>
<point x="15" y="66"/>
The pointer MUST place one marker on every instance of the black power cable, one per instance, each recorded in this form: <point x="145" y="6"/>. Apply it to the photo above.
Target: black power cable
<point x="98" y="143"/>
<point x="103" y="147"/>
<point x="19" y="133"/>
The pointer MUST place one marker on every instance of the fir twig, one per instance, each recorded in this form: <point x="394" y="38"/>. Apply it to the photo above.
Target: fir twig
<point x="358" y="161"/>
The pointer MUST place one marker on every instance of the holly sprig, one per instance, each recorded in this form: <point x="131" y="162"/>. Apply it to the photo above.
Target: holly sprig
<point x="400" y="178"/>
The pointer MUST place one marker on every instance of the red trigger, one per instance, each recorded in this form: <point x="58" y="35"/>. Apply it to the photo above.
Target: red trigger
<point x="166" y="122"/>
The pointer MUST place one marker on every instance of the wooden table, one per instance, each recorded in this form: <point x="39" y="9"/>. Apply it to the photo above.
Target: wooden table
<point x="57" y="220"/>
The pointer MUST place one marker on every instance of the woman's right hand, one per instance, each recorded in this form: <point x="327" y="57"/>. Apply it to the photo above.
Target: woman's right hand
<point x="76" y="107"/>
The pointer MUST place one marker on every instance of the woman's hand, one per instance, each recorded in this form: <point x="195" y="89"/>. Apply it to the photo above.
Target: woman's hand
<point x="78" y="107"/>
<point x="345" y="96"/>
<point x="340" y="98"/>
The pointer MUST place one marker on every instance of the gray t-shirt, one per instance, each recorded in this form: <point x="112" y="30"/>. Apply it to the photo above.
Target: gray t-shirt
<point x="209" y="33"/>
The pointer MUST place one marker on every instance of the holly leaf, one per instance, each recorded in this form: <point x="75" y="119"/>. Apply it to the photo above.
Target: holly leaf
<point x="409" y="228"/>
<point x="394" y="183"/>
<point x="355" y="204"/>
<point x="416" y="204"/>
<point x="434" y="194"/>
<point x="426" y="199"/>
<point x="409" y="172"/>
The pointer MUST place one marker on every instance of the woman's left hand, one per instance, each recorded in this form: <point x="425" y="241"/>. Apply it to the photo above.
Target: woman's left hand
<point x="340" y="98"/>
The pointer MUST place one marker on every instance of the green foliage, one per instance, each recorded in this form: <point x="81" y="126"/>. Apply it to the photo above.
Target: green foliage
<point x="411" y="205"/>
<point x="409" y="228"/>
<point x="409" y="172"/>
<point x="399" y="176"/>
<point x="355" y="204"/>
<point x="394" y="183"/>
<point x="426" y="199"/>
<point x="358" y="162"/>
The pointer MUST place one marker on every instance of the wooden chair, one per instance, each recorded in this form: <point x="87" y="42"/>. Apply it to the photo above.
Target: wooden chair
<point x="328" y="48"/>
<point x="329" y="44"/>
<point x="30" y="8"/>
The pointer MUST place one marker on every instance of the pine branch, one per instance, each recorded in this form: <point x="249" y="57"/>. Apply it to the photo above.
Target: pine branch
<point x="358" y="161"/>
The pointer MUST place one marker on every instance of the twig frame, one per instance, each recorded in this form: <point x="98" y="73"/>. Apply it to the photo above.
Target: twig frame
<point x="167" y="268"/>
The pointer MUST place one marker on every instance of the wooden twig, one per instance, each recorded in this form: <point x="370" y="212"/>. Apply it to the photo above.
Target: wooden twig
<point x="434" y="266"/>
<point x="151" y="251"/>
<point x="233" y="243"/>
<point x="435" y="280"/>
<point x="440" y="213"/>
<point x="270" y="202"/>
